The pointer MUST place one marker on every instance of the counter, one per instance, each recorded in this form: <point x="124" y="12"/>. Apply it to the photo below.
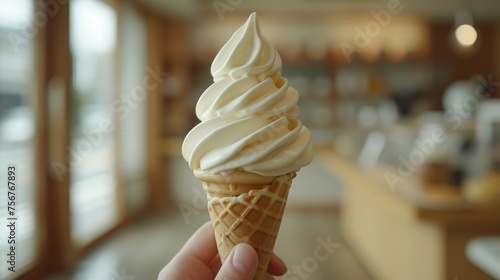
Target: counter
<point x="398" y="234"/>
<point x="484" y="252"/>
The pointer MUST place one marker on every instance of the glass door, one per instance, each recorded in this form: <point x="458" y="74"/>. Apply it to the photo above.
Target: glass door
<point x="92" y="151"/>
<point x="18" y="236"/>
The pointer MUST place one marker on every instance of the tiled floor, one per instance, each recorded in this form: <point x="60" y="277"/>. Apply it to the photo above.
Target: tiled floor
<point x="140" y="250"/>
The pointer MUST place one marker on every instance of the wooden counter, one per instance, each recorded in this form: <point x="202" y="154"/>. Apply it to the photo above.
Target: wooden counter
<point x="399" y="235"/>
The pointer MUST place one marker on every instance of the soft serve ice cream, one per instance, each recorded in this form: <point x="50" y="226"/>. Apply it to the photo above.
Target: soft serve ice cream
<point x="248" y="115"/>
<point x="249" y="144"/>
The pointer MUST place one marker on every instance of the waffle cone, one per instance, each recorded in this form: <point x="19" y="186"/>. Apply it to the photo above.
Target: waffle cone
<point x="246" y="208"/>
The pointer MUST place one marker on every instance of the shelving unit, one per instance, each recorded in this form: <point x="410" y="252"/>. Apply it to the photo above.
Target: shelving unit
<point x="413" y="83"/>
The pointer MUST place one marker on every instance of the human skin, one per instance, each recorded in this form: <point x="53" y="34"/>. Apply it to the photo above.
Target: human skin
<point x="199" y="260"/>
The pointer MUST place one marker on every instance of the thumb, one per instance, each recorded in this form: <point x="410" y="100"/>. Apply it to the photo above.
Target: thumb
<point x="240" y="265"/>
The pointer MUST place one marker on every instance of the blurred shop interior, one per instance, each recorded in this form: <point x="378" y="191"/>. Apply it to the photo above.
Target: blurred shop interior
<point x="401" y="98"/>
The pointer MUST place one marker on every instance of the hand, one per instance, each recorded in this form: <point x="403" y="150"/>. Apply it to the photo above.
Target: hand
<point x="198" y="260"/>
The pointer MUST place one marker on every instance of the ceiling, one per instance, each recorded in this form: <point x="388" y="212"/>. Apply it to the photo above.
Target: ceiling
<point x="440" y="10"/>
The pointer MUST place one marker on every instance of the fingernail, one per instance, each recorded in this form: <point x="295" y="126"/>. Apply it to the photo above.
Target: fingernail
<point x="243" y="258"/>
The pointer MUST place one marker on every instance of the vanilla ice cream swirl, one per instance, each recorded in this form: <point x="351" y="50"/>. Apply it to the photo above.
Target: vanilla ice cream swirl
<point x="248" y="115"/>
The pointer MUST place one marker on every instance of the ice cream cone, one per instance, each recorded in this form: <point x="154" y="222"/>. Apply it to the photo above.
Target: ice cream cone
<point x="248" y="122"/>
<point x="246" y="208"/>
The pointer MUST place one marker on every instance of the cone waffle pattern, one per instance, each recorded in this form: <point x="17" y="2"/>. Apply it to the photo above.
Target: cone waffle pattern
<point x="252" y="218"/>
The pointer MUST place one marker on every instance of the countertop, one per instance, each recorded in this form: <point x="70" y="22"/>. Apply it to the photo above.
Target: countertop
<point x="484" y="252"/>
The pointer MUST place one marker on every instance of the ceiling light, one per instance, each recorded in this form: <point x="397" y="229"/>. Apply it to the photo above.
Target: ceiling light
<point x="466" y="35"/>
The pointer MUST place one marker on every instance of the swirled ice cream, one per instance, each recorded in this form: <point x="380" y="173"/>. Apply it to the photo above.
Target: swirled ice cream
<point x="248" y="115"/>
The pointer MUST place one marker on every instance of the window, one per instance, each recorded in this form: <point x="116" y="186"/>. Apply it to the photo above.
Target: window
<point x="92" y="159"/>
<point x="132" y="151"/>
<point x="17" y="130"/>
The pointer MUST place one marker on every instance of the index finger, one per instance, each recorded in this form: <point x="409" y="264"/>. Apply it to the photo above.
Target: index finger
<point x="201" y="245"/>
